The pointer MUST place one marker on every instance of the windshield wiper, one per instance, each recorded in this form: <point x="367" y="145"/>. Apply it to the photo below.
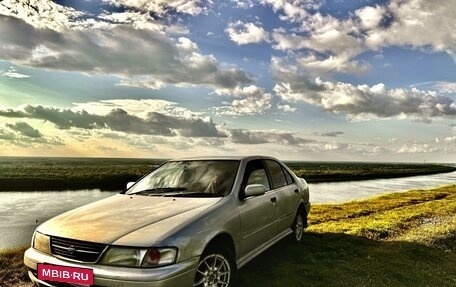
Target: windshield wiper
<point x="159" y="191"/>
<point x="193" y="194"/>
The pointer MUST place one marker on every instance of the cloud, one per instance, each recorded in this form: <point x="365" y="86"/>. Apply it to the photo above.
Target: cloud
<point x="163" y="7"/>
<point x="138" y="20"/>
<point x="339" y="63"/>
<point x="287" y="108"/>
<point x="23" y="134"/>
<point x="359" y="102"/>
<point x="293" y="11"/>
<point x="449" y="140"/>
<point x="417" y="148"/>
<point x="322" y="43"/>
<point x="41" y="14"/>
<point x="25" y="129"/>
<point x="329" y="134"/>
<point x="244" y="4"/>
<point x="119" y="120"/>
<point x="13" y="74"/>
<point x="250" y="100"/>
<point x="443" y="87"/>
<point x="140" y="108"/>
<point x="124" y="51"/>
<point x="242" y="136"/>
<point x="417" y="23"/>
<point x="371" y="17"/>
<point x="246" y="33"/>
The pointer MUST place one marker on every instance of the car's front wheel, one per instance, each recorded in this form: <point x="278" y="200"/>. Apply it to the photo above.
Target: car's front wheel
<point x="298" y="227"/>
<point x="216" y="268"/>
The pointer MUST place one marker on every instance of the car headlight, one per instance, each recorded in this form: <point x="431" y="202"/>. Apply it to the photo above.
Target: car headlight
<point x="139" y="257"/>
<point x="159" y="257"/>
<point x="41" y="242"/>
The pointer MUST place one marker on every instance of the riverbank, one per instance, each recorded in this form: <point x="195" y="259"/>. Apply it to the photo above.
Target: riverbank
<point x="398" y="239"/>
<point x="37" y="174"/>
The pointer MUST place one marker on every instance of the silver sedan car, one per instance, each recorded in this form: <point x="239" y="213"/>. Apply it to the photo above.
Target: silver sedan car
<point x="190" y="222"/>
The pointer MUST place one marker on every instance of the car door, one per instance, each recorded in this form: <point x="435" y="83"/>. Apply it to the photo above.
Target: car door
<point x="286" y="193"/>
<point x="258" y="214"/>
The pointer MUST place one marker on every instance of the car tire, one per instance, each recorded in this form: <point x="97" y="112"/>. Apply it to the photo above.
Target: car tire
<point x="216" y="267"/>
<point x="298" y="227"/>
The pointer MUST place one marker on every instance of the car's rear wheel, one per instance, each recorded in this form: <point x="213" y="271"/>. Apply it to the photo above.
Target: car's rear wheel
<point x="216" y="269"/>
<point x="298" y="227"/>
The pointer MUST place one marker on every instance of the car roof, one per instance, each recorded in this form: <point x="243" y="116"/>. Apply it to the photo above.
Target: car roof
<point x="231" y="157"/>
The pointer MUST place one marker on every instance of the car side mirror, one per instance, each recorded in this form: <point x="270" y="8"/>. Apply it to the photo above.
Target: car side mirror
<point x="130" y="184"/>
<point x="254" y="190"/>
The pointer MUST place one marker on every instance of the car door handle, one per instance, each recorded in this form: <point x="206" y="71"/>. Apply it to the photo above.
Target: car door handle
<point x="296" y="190"/>
<point x="273" y="199"/>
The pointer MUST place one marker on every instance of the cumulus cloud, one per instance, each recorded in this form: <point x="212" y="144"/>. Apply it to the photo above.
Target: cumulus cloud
<point x="138" y="20"/>
<point x="246" y="33"/>
<point x="140" y="108"/>
<point x="162" y="7"/>
<point x="41" y="14"/>
<point x="360" y="101"/>
<point x="119" y="120"/>
<point x="322" y="43"/>
<point x="293" y="11"/>
<point x="23" y="134"/>
<point x="338" y="63"/>
<point x="250" y="100"/>
<point x="287" y="108"/>
<point x="443" y="87"/>
<point x="244" y="4"/>
<point x="418" y="23"/>
<point x="243" y="136"/>
<point x="417" y="148"/>
<point x="123" y="51"/>
<point x="25" y="129"/>
<point x="371" y="17"/>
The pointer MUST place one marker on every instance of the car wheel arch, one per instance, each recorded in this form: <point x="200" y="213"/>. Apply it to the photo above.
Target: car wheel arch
<point x="301" y="209"/>
<point x="222" y="239"/>
<point x="222" y="248"/>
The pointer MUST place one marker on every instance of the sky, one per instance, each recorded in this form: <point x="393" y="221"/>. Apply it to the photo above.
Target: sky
<point x="295" y="79"/>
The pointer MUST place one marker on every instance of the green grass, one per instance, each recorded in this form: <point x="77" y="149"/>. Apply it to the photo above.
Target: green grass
<point x="22" y="173"/>
<point x="399" y="239"/>
<point x="12" y="271"/>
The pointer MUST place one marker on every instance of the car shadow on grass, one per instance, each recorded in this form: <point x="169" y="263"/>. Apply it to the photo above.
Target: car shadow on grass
<point x="330" y="259"/>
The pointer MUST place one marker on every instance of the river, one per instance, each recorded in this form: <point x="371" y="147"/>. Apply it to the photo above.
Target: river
<point x="22" y="212"/>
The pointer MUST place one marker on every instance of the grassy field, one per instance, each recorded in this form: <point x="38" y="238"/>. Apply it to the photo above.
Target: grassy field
<point x="399" y="239"/>
<point x="20" y="174"/>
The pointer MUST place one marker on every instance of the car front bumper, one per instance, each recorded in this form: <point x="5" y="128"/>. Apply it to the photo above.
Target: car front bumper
<point x="179" y="274"/>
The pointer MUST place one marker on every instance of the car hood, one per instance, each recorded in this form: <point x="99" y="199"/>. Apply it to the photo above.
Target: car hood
<point x="110" y="220"/>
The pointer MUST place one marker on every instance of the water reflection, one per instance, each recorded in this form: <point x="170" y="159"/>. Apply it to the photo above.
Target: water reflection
<point x="22" y="212"/>
<point x="351" y="190"/>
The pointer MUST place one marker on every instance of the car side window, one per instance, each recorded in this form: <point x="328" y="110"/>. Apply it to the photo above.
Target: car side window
<point x="255" y="173"/>
<point x="276" y="172"/>
<point x="288" y="176"/>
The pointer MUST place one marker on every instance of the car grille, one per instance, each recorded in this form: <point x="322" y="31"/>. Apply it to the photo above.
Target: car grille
<point x="76" y="250"/>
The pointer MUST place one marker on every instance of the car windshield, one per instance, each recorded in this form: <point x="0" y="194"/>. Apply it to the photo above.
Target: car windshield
<point x="198" y="178"/>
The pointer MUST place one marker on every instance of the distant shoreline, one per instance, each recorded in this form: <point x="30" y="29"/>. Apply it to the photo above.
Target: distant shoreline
<point x="342" y="177"/>
<point x="58" y="174"/>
